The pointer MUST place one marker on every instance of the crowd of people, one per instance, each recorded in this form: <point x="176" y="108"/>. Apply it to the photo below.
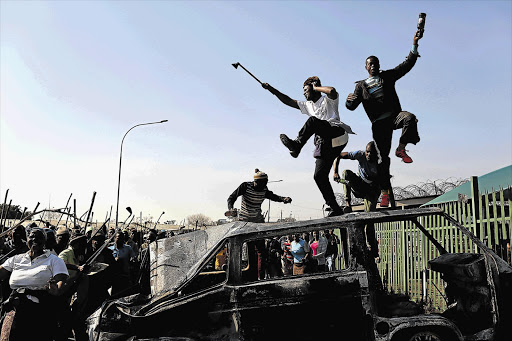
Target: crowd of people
<point x="291" y="255"/>
<point x="53" y="278"/>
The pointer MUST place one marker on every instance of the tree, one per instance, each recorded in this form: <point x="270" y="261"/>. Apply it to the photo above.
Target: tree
<point x="200" y="219"/>
<point x="12" y="212"/>
<point x="147" y="219"/>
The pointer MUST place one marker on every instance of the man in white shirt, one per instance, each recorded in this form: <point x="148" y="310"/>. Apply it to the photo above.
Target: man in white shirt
<point x="331" y="135"/>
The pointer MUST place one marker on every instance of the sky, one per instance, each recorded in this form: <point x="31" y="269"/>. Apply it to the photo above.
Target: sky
<point x="75" y="76"/>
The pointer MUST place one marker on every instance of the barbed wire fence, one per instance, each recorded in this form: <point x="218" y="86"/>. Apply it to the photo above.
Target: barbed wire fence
<point x="423" y="189"/>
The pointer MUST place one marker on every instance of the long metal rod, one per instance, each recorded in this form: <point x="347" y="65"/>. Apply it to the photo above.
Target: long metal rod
<point x="253" y="76"/>
<point x="158" y="219"/>
<point x="120" y="162"/>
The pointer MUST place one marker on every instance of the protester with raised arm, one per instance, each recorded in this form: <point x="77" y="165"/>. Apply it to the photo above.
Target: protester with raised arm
<point x="331" y="135"/>
<point x="381" y="103"/>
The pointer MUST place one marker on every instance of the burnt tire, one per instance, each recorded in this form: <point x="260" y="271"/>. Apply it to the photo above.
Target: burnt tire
<point x="425" y="334"/>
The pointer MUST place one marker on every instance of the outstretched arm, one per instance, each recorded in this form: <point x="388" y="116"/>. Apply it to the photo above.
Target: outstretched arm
<point x="274" y="197"/>
<point x="343" y="155"/>
<point x="410" y="61"/>
<point x="282" y="97"/>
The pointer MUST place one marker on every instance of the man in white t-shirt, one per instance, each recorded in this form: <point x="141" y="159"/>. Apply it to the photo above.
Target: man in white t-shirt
<point x="331" y="135"/>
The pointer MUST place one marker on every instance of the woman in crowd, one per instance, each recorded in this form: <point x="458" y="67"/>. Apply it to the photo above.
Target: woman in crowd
<point x="37" y="276"/>
<point x="299" y="250"/>
<point x="318" y="247"/>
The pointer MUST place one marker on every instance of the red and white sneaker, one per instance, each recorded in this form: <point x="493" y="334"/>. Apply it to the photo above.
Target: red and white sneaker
<point x="384" y="201"/>
<point x="403" y="155"/>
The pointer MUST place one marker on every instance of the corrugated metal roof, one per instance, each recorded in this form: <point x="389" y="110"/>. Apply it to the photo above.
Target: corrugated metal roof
<point x="490" y="182"/>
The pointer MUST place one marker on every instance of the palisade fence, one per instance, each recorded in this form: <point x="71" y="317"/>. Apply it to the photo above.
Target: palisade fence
<point x="405" y="251"/>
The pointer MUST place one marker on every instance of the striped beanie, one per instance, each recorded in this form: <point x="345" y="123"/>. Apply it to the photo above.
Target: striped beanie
<point x="258" y="175"/>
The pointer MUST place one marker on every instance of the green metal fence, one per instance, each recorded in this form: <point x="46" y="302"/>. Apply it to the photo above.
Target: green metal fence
<point x="405" y="251"/>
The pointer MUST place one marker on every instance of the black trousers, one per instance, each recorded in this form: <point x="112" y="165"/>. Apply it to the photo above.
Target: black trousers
<point x="360" y="189"/>
<point x="370" y="194"/>
<point x="328" y="154"/>
<point x="382" y="135"/>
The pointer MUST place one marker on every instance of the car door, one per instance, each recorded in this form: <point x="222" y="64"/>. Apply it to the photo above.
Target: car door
<point x="303" y="307"/>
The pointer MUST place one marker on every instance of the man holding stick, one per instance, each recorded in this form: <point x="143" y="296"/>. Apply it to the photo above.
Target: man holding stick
<point x="331" y="135"/>
<point x="381" y="103"/>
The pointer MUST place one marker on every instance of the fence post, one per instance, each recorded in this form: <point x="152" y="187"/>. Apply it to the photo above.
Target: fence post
<point x="405" y="255"/>
<point x="475" y="203"/>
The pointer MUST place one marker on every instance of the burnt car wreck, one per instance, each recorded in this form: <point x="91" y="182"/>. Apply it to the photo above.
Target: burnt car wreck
<point x="203" y="288"/>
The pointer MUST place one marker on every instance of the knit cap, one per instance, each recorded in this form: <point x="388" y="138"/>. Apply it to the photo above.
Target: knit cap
<point x="259" y="175"/>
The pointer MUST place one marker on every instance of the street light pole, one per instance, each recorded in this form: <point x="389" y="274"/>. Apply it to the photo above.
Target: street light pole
<point x="120" y="161"/>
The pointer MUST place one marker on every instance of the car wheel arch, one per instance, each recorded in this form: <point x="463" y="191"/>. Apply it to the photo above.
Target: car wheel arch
<point x="442" y="333"/>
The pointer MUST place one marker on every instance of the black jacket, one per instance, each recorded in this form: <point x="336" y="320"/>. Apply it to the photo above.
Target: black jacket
<point x="390" y="103"/>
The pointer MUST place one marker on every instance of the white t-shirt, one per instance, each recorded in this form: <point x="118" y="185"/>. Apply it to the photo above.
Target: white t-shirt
<point x="33" y="274"/>
<point x="324" y="109"/>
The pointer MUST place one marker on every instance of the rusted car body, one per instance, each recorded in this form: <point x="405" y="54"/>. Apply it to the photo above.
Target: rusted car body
<point x="201" y="289"/>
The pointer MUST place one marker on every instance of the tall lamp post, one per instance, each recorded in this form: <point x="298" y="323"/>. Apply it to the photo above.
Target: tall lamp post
<point x="120" y="161"/>
<point x="268" y="218"/>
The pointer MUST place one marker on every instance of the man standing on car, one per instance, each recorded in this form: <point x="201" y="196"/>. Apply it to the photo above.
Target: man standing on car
<point x="253" y="194"/>
<point x="381" y="103"/>
<point x="331" y="135"/>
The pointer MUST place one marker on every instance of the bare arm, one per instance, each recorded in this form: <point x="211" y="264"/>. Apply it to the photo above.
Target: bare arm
<point x="282" y="97"/>
<point x="343" y="155"/>
<point x="328" y="90"/>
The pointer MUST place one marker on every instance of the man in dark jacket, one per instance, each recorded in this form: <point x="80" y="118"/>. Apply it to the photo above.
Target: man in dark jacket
<point x="381" y="103"/>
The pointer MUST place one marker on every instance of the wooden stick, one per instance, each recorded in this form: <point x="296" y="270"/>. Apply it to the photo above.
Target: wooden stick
<point x="6" y="214"/>
<point x="28" y="217"/>
<point x="65" y="208"/>
<point x="3" y="207"/>
<point x="90" y="210"/>
<point x="74" y="213"/>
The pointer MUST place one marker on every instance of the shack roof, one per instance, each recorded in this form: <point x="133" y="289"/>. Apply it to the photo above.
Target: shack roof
<point x="490" y="182"/>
